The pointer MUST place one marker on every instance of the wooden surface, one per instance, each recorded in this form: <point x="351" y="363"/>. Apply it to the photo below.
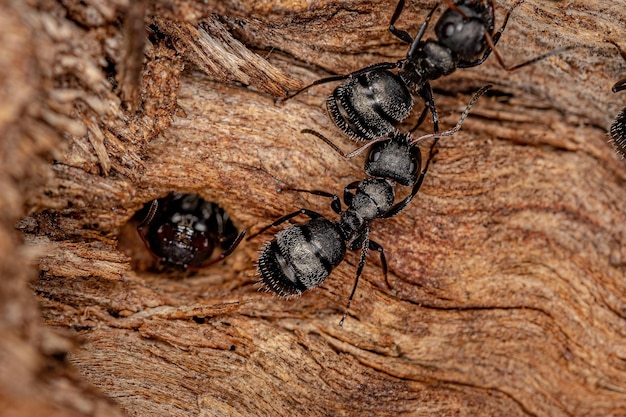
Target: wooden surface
<point x="507" y="271"/>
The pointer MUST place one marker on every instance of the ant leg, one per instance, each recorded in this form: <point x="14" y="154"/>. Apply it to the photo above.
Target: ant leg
<point x="383" y="260"/>
<point x="400" y="34"/>
<point x="347" y="195"/>
<point x="326" y="140"/>
<point x="374" y="67"/>
<point x="311" y="214"/>
<point x="621" y="84"/>
<point x="335" y="204"/>
<point x="536" y="59"/>
<point x="397" y="208"/>
<point x="223" y="255"/>
<point x="621" y="51"/>
<point x="349" y="155"/>
<point x="496" y="37"/>
<point x="364" y="246"/>
<point x="458" y="125"/>
<point x="404" y="35"/>
<point x="318" y="82"/>
<point x="315" y="192"/>
<point x="150" y="216"/>
<point x="145" y="222"/>
<point x="357" y="151"/>
<point x="427" y="95"/>
<point x="420" y="120"/>
<point x="220" y="220"/>
<point x="418" y="38"/>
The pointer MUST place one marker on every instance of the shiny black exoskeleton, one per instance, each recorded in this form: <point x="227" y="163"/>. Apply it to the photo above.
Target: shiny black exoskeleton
<point x="618" y="133"/>
<point x="302" y="256"/>
<point x="182" y="230"/>
<point x="618" y="127"/>
<point x="373" y="100"/>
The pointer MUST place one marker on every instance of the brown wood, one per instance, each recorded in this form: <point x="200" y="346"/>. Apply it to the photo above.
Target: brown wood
<point x="507" y="271"/>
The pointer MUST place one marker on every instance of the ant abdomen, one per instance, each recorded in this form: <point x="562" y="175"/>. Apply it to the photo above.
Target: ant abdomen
<point x="369" y="105"/>
<point x="301" y="257"/>
<point x="373" y="100"/>
<point x="618" y="133"/>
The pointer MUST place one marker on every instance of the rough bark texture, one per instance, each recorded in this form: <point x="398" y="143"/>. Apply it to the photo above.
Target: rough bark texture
<point x="508" y="294"/>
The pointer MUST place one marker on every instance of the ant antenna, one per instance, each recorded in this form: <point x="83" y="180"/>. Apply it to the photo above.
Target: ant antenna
<point x="352" y="154"/>
<point x="458" y="125"/>
<point x="223" y="255"/>
<point x="621" y="84"/>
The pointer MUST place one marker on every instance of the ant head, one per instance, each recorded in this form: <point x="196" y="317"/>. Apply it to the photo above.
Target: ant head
<point x="394" y="159"/>
<point x="182" y="230"/>
<point x="301" y="257"/>
<point x="180" y="245"/>
<point x="462" y="28"/>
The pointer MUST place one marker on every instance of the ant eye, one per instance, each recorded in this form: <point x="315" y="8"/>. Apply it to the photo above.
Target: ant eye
<point x="449" y="30"/>
<point x="376" y="151"/>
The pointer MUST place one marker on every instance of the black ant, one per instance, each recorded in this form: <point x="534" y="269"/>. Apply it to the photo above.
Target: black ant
<point x="302" y="256"/>
<point x="618" y="127"/>
<point x="373" y="100"/>
<point x="182" y="230"/>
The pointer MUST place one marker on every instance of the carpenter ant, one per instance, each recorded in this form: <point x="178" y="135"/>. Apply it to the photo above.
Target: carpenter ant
<point x="618" y="127"/>
<point x="302" y="256"/>
<point x="373" y="100"/>
<point x="181" y="230"/>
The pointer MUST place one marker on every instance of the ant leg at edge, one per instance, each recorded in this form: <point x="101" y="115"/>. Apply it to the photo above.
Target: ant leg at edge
<point x="311" y="214"/>
<point x="359" y="271"/>
<point x="374" y="67"/>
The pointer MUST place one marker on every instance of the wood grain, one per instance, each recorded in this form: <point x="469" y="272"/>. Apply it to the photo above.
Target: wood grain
<point x="507" y="271"/>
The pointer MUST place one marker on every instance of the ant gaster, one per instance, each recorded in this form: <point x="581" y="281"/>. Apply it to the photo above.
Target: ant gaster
<point x="373" y="100"/>
<point x="182" y="230"/>
<point x="618" y="127"/>
<point x="302" y="256"/>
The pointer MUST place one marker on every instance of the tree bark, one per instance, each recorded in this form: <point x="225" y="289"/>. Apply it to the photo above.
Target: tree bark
<point x="505" y="293"/>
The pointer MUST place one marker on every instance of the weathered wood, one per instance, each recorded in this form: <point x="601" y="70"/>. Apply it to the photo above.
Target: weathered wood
<point x="506" y="272"/>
